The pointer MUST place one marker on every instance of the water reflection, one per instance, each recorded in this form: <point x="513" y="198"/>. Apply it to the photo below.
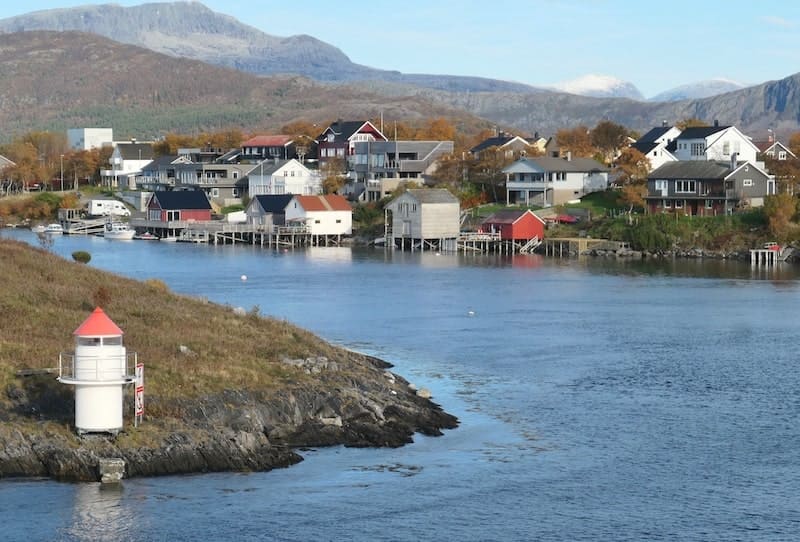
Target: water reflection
<point x="99" y="513"/>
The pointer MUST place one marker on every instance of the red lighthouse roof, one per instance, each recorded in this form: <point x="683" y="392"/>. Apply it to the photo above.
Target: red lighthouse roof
<point x="98" y="324"/>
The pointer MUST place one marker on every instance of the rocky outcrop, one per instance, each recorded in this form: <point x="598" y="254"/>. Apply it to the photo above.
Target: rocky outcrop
<point x="233" y="430"/>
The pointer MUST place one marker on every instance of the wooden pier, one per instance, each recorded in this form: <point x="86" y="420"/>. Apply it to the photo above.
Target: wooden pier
<point x="769" y="255"/>
<point x="576" y="246"/>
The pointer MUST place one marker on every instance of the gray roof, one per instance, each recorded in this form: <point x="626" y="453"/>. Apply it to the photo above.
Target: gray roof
<point x="691" y="169"/>
<point x="573" y="165"/>
<point x="654" y="134"/>
<point x="507" y="216"/>
<point x="644" y="146"/>
<point x="274" y="203"/>
<point x="182" y="199"/>
<point x="698" y="132"/>
<point x="432" y="195"/>
<point x="135" y="151"/>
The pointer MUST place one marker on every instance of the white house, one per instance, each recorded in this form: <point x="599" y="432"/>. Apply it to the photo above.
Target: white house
<point x="548" y="181"/>
<point x="653" y="145"/>
<point x="718" y="143"/>
<point x="127" y="161"/>
<point x="84" y="139"/>
<point x="330" y="214"/>
<point x="275" y="177"/>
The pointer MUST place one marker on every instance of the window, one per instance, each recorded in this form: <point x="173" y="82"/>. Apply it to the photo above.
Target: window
<point x="709" y="204"/>
<point x="235" y="192"/>
<point x="726" y="148"/>
<point x="317" y="221"/>
<point x="215" y="192"/>
<point x="698" y="149"/>
<point x="684" y="187"/>
<point x="747" y="182"/>
<point x="661" y="185"/>
<point x="667" y="204"/>
<point x="781" y="155"/>
<point x="679" y="204"/>
<point x="338" y="220"/>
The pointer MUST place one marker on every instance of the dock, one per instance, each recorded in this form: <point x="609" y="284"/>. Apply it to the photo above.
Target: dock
<point x="566" y="246"/>
<point x="770" y="254"/>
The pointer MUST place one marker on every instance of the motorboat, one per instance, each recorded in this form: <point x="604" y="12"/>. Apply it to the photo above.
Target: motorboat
<point x="39" y="228"/>
<point x="118" y="230"/>
<point x="146" y="236"/>
<point x="54" y="229"/>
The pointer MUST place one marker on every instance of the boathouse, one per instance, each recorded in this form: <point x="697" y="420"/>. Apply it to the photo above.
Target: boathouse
<point x="514" y="225"/>
<point x="265" y="212"/>
<point x="423" y="219"/>
<point x="327" y="217"/>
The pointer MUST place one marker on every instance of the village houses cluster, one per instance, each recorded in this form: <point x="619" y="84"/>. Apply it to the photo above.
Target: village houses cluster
<point x="698" y="171"/>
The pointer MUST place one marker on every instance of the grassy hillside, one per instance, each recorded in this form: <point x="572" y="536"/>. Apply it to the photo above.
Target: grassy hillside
<point x="44" y="299"/>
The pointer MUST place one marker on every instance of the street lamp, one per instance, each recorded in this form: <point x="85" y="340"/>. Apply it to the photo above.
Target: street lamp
<point x="62" y="172"/>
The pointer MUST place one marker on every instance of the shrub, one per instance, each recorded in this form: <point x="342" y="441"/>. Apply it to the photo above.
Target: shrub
<point x="81" y="256"/>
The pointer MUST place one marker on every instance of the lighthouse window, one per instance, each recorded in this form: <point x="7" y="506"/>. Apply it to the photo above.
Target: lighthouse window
<point x="112" y="341"/>
<point x="89" y="341"/>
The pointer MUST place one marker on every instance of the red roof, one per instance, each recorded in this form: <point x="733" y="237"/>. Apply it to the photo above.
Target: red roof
<point x="329" y="202"/>
<point x="268" y="141"/>
<point x="98" y="324"/>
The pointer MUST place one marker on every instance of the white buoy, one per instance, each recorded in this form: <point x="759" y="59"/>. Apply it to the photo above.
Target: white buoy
<point x="244" y="278"/>
<point x="471" y="313"/>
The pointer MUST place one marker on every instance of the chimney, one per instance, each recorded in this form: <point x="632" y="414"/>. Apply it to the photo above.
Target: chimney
<point x="716" y="123"/>
<point x="568" y="158"/>
<point x="663" y="123"/>
<point x="734" y="161"/>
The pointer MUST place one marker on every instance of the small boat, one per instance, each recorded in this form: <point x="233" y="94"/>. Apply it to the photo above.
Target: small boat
<point x="169" y="239"/>
<point x="146" y="236"/>
<point x="39" y="228"/>
<point x="54" y="229"/>
<point x="118" y="230"/>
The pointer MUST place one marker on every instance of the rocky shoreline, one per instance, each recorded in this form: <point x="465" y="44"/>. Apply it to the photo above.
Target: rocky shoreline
<point x="354" y="401"/>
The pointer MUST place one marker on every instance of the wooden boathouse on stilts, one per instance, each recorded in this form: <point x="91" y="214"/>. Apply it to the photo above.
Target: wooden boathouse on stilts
<point x="423" y="219"/>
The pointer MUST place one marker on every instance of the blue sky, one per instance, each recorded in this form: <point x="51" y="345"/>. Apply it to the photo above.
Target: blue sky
<point x="654" y="45"/>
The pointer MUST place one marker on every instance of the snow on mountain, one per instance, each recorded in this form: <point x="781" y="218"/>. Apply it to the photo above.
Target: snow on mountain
<point x="695" y="91"/>
<point x="600" y="86"/>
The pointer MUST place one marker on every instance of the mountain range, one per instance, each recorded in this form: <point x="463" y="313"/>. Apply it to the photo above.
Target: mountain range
<point x="321" y="85"/>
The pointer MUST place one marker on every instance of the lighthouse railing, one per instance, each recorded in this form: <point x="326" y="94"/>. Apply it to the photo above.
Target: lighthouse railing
<point x="97" y="368"/>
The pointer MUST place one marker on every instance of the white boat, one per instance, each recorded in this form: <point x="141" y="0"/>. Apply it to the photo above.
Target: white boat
<point x="54" y="229"/>
<point x="146" y="236"/>
<point x="169" y="239"/>
<point x="39" y="228"/>
<point x="118" y="230"/>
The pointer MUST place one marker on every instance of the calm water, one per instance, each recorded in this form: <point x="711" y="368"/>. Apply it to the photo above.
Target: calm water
<point x="598" y="400"/>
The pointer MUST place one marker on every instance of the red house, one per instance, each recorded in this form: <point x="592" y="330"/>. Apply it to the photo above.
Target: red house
<point x="178" y="205"/>
<point x="514" y="225"/>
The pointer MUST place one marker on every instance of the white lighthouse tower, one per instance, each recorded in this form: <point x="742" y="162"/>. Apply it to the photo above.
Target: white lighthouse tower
<point x="99" y="370"/>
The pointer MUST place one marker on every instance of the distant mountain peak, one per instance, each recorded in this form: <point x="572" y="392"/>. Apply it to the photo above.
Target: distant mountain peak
<point x="698" y="90"/>
<point x="600" y="86"/>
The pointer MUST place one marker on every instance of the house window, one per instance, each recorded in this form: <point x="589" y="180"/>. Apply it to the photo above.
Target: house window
<point x="781" y="155"/>
<point x="235" y="192"/>
<point x="747" y="182"/>
<point x="698" y="149"/>
<point x="666" y="204"/>
<point x="338" y="220"/>
<point x="173" y="215"/>
<point x="317" y="221"/>
<point x="685" y="187"/>
<point x="679" y="204"/>
<point x="661" y="185"/>
<point x="709" y="204"/>
<point x="215" y="192"/>
<point x="726" y="148"/>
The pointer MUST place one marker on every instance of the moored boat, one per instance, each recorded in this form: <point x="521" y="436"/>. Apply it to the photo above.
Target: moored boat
<point x="146" y="236"/>
<point x="118" y="230"/>
<point x="54" y="229"/>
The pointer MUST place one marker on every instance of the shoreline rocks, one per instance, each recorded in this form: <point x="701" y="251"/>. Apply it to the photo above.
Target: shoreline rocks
<point x="234" y="430"/>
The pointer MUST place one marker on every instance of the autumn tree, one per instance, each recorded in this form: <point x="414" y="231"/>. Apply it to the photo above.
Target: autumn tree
<point x="690" y="122"/>
<point x="171" y="142"/>
<point x="333" y="175"/>
<point x="439" y="129"/>
<point x="487" y="170"/>
<point x="787" y="173"/>
<point x="451" y="170"/>
<point x="631" y="169"/>
<point x="780" y="209"/>
<point x="301" y="128"/>
<point x="608" y="137"/>
<point x="577" y="141"/>
<point x="794" y="143"/>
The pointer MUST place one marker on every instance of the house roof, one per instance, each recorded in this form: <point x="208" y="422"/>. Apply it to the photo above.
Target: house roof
<point x="432" y="195"/>
<point x="182" y="199"/>
<point x="644" y="146"/>
<point x="700" y="132"/>
<point x="691" y="169"/>
<point x="328" y="202"/>
<point x="268" y="141"/>
<point x="135" y="151"/>
<point x="344" y="130"/>
<point x="274" y="203"/>
<point x="654" y="134"/>
<point x="497" y="141"/>
<point x="98" y="324"/>
<point x="5" y="162"/>
<point x="508" y="216"/>
<point x="573" y="165"/>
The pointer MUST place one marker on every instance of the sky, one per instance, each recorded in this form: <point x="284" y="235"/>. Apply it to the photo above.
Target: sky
<point x="654" y="45"/>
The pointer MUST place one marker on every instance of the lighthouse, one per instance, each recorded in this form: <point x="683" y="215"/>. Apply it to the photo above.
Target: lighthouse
<point x="99" y="369"/>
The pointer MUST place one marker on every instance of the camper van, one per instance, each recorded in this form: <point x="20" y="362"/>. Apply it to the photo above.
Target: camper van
<point x="107" y="207"/>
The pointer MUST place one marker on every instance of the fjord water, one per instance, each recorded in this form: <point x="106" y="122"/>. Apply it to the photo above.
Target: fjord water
<point x="598" y="400"/>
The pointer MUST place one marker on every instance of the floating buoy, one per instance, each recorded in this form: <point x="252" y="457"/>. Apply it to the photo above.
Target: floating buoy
<point x="471" y="313"/>
<point x="244" y="278"/>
